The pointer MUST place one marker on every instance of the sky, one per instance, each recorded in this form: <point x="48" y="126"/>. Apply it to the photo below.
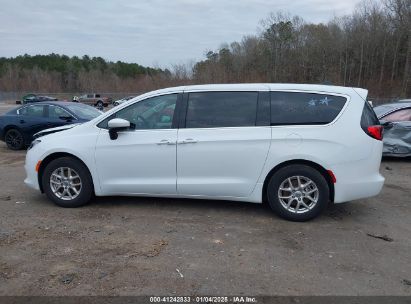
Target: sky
<point x="156" y="33"/>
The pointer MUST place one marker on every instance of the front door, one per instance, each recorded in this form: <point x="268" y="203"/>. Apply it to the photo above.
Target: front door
<point x="142" y="160"/>
<point x="57" y="116"/>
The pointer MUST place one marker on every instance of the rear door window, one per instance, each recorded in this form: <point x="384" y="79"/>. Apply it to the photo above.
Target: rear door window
<point x="221" y="109"/>
<point x="33" y="111"/>
<point x="295" y="108"/>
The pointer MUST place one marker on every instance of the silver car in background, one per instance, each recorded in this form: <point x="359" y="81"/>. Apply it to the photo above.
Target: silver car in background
<point x="396" y="119"/>
<point x="122" y="100"/>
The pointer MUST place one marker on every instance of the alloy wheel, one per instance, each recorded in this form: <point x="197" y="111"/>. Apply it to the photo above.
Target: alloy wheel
<point x="14" y="139"/>
<point x="65" y="183"/>
<point x="298" y="194"/>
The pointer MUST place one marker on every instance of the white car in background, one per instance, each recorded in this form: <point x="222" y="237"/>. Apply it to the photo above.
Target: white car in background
<point x="122" y="100"/>
<point x="296" y="146"/>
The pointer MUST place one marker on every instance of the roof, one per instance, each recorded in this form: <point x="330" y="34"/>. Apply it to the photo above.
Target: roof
<point x="58" y="103"/>
<point x="384" y="109"/>
<point x="265" y="87"/>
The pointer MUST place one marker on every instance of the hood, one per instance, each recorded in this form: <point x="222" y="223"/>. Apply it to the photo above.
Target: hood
<point x="54" y="130"/>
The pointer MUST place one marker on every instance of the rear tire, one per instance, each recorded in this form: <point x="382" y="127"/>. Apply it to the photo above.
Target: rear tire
<point x="67" y="182"/>
<point x="99" y="104"/>
<point x="298" y="193"/>
<point x="14" y="139"/>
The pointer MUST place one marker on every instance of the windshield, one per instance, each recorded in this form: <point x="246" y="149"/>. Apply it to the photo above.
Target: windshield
<point x="83" y="111"/>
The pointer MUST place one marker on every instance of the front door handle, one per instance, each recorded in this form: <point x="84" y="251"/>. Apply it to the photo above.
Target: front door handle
<point x="165" y="142"/>
<point x="188" y="141"/>
<point x="22" y="121"/>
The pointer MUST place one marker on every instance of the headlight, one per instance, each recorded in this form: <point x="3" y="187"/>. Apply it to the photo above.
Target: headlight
<point x="34" y="142"/>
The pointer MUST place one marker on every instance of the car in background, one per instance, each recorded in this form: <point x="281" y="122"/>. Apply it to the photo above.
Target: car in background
<point x="18" y="126"/>
<point x="122" y="100"/>
<point x="396" y="119"/>
<point x="31" y="98"/>
<point x="94" y="100"/>
<point x="296" y="146"/>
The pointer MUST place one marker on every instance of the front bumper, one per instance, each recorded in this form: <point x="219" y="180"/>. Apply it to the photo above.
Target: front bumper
<point x="32" y="157"/>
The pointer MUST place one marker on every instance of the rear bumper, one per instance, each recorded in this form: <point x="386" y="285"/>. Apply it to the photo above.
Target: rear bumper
<point x="358" y="188"/>
<point x="359" y="179"/>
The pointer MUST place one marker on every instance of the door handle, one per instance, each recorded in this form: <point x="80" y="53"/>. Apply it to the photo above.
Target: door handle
<point x="22" y="121"/>
<point x="188" y="141"/>
<point x="165" y="142"/>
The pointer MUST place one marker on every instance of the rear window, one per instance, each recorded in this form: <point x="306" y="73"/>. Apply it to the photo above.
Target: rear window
<point x="221" y="109"/>
<point x="294" y="108"/>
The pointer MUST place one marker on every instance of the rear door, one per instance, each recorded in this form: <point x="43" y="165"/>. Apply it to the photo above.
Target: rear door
<point x="222" y="144"/>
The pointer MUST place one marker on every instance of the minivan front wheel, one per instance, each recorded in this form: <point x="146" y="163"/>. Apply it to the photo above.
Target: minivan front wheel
<point x="298" y="192"/>
<point x="67" y="182"/>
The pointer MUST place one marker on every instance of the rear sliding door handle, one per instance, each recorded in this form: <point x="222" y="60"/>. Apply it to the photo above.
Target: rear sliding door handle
<point x="165" y="142"/>
<point x="188" y="141"/>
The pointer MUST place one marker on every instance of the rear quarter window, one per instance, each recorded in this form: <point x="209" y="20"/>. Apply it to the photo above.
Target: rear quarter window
<point x="294" y="108"/>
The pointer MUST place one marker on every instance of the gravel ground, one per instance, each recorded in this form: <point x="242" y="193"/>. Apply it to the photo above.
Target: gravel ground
<point x="143" y="246"/>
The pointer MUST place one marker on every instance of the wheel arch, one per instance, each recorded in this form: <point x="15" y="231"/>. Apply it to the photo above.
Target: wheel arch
<point x="311" y="164"/>
<point x="10" y="127"/>
<point x="54" y="156"/>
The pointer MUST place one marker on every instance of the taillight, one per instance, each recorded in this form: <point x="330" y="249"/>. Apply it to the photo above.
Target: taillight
<point x="375" y="132"/>
<point x="370" y="123"/>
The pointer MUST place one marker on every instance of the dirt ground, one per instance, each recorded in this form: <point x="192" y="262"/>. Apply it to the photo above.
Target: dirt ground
<point x="143" y="246"/>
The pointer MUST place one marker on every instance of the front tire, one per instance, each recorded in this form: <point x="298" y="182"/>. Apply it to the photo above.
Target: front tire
<point x="298" y="193"/>
<point x="14" y="139"/>
<point x="99" y="104"/>
<point x="67" y="182"/>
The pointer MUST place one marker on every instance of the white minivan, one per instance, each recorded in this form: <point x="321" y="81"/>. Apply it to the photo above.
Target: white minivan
<point x="296" y="146"/>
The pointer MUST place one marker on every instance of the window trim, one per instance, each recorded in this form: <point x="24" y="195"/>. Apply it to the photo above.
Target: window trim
<point x="347" y="97"/>
<point x="184" y="108"/>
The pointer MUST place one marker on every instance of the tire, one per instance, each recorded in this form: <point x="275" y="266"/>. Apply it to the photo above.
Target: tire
<point x="14" y="139"/>
<point x="115" y="104"/>
<point x="99" y="104"/>
<point x="313" y="194"/>
<point x="77" y="168"/>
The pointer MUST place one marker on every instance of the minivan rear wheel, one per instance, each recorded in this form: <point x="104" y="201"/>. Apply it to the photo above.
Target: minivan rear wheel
<point x="298" y="192"/>
<point x="67" y="182"/>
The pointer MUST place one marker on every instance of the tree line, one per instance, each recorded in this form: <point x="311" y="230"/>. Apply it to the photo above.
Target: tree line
<point x="370" y="48"/>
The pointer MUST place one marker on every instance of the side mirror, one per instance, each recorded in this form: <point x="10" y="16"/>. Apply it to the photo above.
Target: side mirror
<point x="115" y="125"/>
